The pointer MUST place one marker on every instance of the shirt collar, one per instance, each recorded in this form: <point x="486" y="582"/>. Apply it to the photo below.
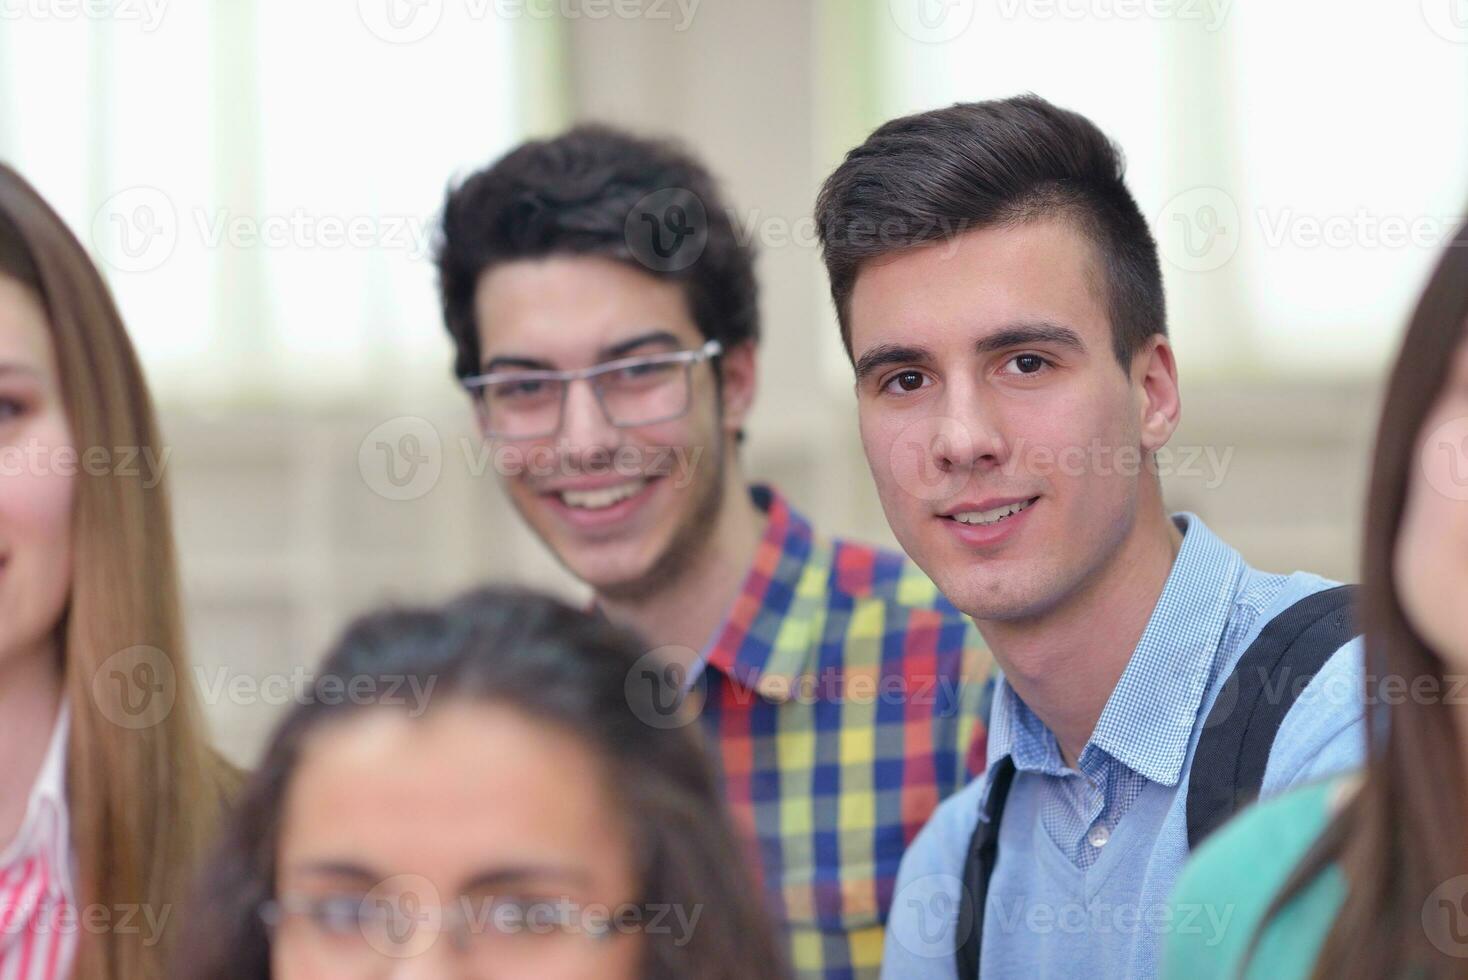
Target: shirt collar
<point x="766" y="640"/>
<point x="1148" y="721"/>
<point x="45" y="830"/>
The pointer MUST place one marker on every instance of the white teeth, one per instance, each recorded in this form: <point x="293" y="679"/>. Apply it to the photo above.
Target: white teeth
<point x="991" y="516"/>
<point x="599" y="499"/>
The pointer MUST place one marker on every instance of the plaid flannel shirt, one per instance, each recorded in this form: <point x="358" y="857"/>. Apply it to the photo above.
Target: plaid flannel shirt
<point x="845" y="698"/>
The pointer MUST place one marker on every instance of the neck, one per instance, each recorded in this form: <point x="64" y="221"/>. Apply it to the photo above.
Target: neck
<point x="30" y="698"/>
<point x="1065" y="663"/>
<point x="684" y="615"/>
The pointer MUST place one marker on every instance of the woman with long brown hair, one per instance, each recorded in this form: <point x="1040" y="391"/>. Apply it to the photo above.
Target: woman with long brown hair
<point x="1368" y="877"/>
<point x="108" y="790"/>
<point x="494" y="788"/>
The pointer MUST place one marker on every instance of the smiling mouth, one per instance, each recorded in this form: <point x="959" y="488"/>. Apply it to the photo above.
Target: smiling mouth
<point x="602" y="497"/>
<point x="988" y="518"/>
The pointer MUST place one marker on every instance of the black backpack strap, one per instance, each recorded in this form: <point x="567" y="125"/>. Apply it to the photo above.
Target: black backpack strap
<point x="1228" y="766"/>
<point x="978" y="868"/>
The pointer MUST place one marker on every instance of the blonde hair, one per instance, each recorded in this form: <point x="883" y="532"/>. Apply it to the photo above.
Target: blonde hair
<point x="144" y="799"/>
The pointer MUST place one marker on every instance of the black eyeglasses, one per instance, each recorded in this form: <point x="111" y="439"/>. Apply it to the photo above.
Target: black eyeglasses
<point x="632" y="392"/>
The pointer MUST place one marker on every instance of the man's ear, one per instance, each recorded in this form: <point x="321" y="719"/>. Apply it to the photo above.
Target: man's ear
<point x="737" y="367"/>
<point x="1159" y="401"/>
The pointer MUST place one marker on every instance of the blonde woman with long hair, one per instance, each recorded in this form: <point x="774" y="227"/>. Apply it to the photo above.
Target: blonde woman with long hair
<point x="108" y="789"/>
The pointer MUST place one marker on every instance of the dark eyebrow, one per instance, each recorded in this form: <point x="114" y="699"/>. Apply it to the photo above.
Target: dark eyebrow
<point x="8" y="368"/>
<point x="611" y="353"/>
<point x="625" y="347"/>
<point x="500" y="877"/>
<point x="1027" y="334"/>
<point x="339" y="869"/>
<point x="529" y="363"/>
<point x="885" y="354"/>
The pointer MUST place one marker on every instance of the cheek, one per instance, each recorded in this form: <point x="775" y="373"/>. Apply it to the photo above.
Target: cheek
<point x="36" y="496"/>
<point x="1430" y="564"/>
<point x="37" y="491"/>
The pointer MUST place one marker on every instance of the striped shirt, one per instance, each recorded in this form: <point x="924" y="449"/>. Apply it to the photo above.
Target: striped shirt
<point x="845" y="698"/>
<point x="38" y="922"/>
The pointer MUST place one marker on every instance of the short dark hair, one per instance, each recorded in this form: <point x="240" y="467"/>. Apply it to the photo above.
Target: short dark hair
<point x="561" y="666"/>
<point x="937" y="174"/>
<point x="582" y="193"/>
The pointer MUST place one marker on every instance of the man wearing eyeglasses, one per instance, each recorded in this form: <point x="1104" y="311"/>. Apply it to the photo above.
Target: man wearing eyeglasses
<point x="605" y="319"/>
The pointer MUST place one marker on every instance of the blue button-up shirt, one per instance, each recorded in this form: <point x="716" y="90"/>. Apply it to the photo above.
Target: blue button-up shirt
<point x="1088" y="856"/>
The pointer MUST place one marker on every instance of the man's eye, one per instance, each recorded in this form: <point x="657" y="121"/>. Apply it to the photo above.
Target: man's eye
<point x="906" y="381"/>
<point x="1028" y="364"/>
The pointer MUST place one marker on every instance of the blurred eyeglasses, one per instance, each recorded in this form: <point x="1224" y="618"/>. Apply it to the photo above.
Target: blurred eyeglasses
<point x="632" y="392"/>
<point x="360" y="934"/>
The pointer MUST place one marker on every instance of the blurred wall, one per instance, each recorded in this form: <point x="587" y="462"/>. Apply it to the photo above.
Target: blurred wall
<point x="323" y="462"/>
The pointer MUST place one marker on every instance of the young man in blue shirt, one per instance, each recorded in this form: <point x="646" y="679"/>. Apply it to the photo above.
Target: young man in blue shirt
<point x="999" y="294"/>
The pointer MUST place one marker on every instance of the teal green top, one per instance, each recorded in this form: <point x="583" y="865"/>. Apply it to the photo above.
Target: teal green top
<point x="1229" y="884"/>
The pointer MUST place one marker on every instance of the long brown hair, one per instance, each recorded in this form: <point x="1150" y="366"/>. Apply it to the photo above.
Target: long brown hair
<point x="144" y="800"/>
<point x="1401" y="836"/>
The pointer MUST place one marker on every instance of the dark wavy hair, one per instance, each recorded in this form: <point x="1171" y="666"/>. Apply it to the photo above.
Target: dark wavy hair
<point x="574" y="195"/>
<point x="553" y="663"/>
<point x="1401" y="836"/>
<point x="934" y="175"/>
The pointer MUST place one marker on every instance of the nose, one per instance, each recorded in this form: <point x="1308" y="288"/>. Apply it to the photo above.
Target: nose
<point x="440" y="961"/>
<point x="584" y="425"/>
<point x="972" y="434"/>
